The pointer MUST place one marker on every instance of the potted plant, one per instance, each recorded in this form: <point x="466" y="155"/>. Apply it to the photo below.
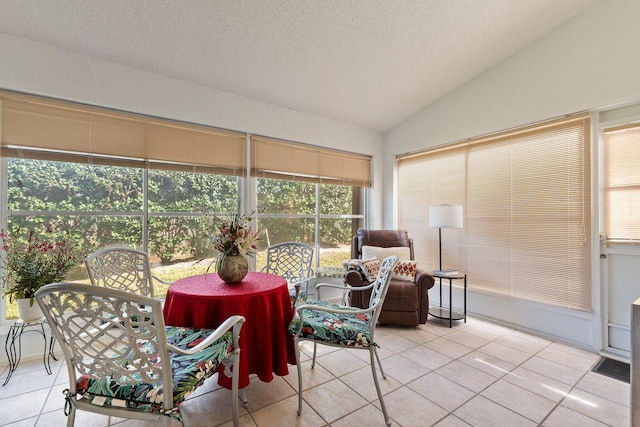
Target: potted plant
<point x="30" y="261"/>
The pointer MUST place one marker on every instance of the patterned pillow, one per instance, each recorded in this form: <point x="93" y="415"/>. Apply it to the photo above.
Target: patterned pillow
<point x="370" y="268"/>
<point x="405" y="270"/>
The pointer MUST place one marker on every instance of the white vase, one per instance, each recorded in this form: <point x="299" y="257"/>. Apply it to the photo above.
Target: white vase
<point x="27" y="312"/>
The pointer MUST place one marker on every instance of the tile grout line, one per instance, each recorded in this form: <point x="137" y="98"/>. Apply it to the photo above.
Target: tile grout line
<point x="475" y="394"/>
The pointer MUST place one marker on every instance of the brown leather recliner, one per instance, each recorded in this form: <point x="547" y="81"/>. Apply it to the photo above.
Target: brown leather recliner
<point x="407" y="303"/>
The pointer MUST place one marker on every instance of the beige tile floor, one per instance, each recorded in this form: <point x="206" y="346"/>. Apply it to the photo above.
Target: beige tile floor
<point x="474" y="374"/>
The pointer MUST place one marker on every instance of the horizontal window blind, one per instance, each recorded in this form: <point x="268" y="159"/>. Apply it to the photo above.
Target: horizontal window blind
<point x="425" y="180"/>
<point x="47" y="129"/>
<point x="526" y="200"/>
<point x="622" y="183"/>
<point x="288" y="160"/>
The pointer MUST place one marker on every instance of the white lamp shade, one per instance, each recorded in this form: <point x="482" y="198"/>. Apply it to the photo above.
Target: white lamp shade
<point x="445" y="216"/>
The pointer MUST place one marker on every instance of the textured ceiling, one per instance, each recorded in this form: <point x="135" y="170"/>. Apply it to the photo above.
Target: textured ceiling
<point x="371" y="63"/>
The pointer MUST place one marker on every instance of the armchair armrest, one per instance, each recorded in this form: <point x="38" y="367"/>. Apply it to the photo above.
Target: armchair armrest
<point x="424" y="279"/>
<point x="232" y="323"/>
<point x="355" y="279"/>
<point x="424" y="282"/>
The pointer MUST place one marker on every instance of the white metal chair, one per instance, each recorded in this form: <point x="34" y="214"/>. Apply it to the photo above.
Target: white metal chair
<point x="335" y="325"/>
<point x="121" y="268"/>
<point x="123" y="361"/>
<point x="291" y="260"/>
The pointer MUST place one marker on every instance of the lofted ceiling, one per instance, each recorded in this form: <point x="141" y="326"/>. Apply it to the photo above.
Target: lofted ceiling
<point x="371" y="63"/>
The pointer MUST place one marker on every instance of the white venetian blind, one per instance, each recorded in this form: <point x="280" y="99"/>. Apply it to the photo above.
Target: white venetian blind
<point x="622" y="183"/>
<point x="526" y="200"/>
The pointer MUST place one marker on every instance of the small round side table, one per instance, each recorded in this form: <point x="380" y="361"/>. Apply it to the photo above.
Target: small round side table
<point x="448" y="312"/>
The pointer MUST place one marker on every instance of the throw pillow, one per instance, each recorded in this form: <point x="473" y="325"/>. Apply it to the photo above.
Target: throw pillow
<point x="402" y="252"/>
<point x="370" y="268"/>
<point x="405" y="270"/>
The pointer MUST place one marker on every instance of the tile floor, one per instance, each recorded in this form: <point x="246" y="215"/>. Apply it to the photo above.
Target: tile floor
<point x="474" y="374"/>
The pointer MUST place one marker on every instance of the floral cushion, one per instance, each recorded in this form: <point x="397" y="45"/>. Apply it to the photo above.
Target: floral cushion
<point x="188" y="372"/>
<point x="351" y="330"/>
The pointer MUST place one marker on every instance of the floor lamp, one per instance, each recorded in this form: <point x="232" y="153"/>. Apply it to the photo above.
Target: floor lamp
<point x="444" y="216"/>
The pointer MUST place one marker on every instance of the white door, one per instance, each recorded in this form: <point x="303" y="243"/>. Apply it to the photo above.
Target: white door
<point x="621" y="274"/>
<point x="619" y="219"/>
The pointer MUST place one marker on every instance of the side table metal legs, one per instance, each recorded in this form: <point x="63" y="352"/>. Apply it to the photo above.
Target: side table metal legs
<point x="13" y="345"/>
<point x="448" y="313"/>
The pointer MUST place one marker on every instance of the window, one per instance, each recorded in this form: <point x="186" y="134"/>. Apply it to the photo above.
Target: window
<point x="112" y="177"/>
<point x="116" y="178"/>
<point x="288" y="213"/>
<point x="309" y="195"/>
<point x="622" y="183"/>
<point x="526" y="199"/>
<point x="102" y="205"/>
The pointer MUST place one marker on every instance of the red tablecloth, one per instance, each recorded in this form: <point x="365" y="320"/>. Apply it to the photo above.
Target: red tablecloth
<point x="266" y="346"/>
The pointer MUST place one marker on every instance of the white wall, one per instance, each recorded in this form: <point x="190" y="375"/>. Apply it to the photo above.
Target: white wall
<point x="589" y="62"/>
<point x="43" y="70"/>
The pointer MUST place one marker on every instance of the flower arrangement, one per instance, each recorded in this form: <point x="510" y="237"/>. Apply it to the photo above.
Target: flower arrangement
<point x="32" y="261"/>
<point x="235" y="235"/>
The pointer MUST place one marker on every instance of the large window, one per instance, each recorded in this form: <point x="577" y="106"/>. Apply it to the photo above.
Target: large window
<point x="526" y="199"/>
<point x="104" y="205"/>
<point x="111" y="177"/>
<point x="116" y="178"/>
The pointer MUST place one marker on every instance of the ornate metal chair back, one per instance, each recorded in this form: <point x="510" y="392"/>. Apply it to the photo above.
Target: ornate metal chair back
<point x="121" y="268"/>
<point x="291" y="260"/>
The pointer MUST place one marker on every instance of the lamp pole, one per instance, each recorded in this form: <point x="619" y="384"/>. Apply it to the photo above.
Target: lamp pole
<point x="444" y="216"/>
<point x="440" y="246"/>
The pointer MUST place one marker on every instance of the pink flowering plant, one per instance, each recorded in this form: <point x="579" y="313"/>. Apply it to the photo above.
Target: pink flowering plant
<point x="31" y="261"/>
<point x="235" y="236"/>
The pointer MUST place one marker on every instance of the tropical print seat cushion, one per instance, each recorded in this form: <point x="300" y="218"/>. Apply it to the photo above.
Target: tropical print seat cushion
<point x="351" y="329"/>
<point x="188" y="372"/>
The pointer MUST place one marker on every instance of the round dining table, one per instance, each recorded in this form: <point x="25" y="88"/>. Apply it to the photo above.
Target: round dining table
<point x="266" y="346"/>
